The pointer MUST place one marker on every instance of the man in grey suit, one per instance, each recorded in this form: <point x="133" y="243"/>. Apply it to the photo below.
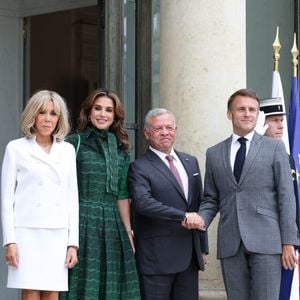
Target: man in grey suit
<point x="166" y="201"/>
<point x="257" y="228"/>
<point x="273" y="127"/>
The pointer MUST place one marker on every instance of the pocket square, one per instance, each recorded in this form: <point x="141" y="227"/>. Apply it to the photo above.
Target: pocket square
<point x="195" y="174"/>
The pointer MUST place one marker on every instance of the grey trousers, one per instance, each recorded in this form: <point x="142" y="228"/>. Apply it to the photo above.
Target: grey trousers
<point x="251" y="276"/>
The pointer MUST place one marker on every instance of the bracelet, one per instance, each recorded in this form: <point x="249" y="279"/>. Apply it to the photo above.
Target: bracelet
<point x="74" y="247"/>
<point x="130" y="232"/>
<point x="9" y="245"/>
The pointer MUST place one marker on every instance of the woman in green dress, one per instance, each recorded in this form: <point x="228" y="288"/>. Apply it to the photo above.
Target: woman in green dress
<point x="106" y="267"/>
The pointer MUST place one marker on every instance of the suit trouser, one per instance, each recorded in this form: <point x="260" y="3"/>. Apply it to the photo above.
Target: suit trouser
<point x="252" y="276"/>
<point x="178" y="286"/>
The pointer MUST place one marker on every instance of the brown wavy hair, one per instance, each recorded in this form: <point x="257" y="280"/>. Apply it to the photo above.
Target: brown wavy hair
<point x="117" y="127"/>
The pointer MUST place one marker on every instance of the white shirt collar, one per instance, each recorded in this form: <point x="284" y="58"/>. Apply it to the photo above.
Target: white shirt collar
<point x="248" y="136"/>
<point x="162" y="155"/>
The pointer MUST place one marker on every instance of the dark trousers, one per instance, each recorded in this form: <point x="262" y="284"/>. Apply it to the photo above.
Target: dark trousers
<point x="177" y="286"/>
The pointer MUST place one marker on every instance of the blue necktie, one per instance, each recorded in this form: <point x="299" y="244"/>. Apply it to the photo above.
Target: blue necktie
<point x="240" y="159"/>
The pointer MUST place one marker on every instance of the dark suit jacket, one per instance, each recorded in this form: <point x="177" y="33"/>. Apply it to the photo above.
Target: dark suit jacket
<point x="163" y="245"/>
<point x="294" y="176"/>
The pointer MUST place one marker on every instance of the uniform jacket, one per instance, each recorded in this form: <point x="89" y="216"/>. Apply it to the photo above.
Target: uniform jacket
<point x="163" y="245"/>
<point x="260" y="210"/>
<point x="294" y="176"/>
<point x="39" y="190"/>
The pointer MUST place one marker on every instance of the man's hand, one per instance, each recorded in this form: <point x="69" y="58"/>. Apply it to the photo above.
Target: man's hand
<point x="193" y="221"/>
<point x="288" y="258"/>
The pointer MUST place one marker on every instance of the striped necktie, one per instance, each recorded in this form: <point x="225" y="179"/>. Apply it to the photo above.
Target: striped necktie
<point x="174" y="170"/>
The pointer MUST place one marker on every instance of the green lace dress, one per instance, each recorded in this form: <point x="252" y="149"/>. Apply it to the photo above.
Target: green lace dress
<point x="106" y="267"/>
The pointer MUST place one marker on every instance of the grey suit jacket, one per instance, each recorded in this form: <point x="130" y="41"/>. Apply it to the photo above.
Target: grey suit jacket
<point x="259" y="210"/>
<point x="163" y="245"/>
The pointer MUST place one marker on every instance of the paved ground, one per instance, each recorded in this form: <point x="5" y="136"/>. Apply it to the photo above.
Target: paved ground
<point x="212" y="295"/>
<point x="212" y="289"/>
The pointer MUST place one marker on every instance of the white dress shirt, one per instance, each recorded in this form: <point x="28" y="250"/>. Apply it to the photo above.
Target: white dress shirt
<point x="235" y="145"/>
<point x="178" y="164"/>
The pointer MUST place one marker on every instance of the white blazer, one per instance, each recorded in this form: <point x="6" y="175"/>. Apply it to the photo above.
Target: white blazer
<point x="39" y="190"/>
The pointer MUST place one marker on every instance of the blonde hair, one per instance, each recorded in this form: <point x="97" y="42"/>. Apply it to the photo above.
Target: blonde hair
<point x="38" y="102"/>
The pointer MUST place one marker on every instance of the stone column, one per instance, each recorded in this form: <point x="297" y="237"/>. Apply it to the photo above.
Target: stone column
<point x="203" y="61"/>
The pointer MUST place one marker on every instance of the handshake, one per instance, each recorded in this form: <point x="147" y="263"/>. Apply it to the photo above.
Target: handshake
<point x="193" y="221"/>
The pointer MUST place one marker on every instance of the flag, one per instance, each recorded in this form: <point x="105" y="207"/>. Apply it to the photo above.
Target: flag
<point x="286" y="285"/>
<point x="295" y="283"/>
<point x="289" y="289"/>
<point x="294" y="119"/>
<point x="294" y="138"/>
<point x="277" y="92"/>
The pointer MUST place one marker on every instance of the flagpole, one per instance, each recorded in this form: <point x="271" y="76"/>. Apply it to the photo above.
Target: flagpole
<point x="277" y="90"/>
<point x="295" y="53"/>
<point x="276" y="47"/>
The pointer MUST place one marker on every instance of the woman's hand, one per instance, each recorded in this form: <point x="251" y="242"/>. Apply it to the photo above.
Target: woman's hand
<point x="12" y="255"/>
<point x="131" y="239"/>
<point x="71" y="259"/>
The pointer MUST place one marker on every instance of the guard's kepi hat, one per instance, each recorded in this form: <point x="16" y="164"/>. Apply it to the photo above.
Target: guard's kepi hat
<point x="272" y="106"/>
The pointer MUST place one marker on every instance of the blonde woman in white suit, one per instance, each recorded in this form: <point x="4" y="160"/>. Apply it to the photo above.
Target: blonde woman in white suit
<point x="39" y="201"/>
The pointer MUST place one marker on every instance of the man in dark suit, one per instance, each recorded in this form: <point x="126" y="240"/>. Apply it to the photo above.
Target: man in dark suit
<point x="166" y="201"/>
<point x="255" y="198"/>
